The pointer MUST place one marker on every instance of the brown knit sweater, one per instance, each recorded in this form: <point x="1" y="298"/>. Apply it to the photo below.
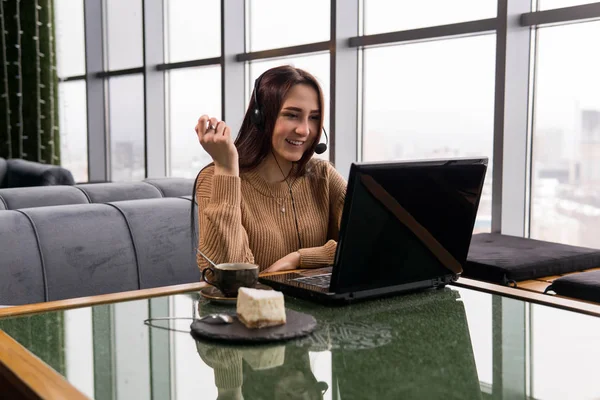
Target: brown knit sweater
<point x="246" y="219"/>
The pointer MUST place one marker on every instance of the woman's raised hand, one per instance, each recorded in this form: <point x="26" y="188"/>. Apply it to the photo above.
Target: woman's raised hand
<point x="215" y="138"/>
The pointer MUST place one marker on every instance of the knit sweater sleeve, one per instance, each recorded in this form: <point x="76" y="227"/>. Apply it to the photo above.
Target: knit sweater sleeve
<point x="321" y="256"/>
<point x="222" y="236"/>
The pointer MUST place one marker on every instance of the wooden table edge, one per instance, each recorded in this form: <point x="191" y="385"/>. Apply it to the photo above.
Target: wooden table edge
<point x="99" y="299"/>
<point x="564" y="303"/>
<point x="78" y="302"/>
<point x="492" y="288"/>
<point x="30" y="375"/>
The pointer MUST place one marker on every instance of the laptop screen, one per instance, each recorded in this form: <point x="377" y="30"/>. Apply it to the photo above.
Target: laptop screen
<point x="406" y="222"/>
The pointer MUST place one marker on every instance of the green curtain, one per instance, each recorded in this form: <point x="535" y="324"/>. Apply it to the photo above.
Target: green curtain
<point x="29" y="85"/>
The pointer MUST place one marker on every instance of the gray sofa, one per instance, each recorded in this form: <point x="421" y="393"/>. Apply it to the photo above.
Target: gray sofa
<point x="66" y="251"/>
<point x="42" y="196"/>
<point x="22" y="173"/>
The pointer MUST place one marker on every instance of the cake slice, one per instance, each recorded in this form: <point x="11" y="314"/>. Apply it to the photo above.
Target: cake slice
<point x="258" y="308"/>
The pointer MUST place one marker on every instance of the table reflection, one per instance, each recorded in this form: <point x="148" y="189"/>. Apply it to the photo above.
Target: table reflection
<point x="383" y="349"/>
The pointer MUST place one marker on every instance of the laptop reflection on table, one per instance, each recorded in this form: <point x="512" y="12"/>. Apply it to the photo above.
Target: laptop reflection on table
<point x="405" y="226"/>
<point x="423" y="360"/>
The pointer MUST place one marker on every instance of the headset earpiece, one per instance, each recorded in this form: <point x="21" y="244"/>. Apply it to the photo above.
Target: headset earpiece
<point x="257" y="116"/>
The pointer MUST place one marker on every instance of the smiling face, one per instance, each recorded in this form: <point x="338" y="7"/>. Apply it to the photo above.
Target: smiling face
<point x="297" y="124"/>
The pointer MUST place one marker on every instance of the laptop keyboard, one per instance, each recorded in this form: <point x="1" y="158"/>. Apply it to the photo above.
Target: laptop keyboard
<point x="321" y="281"/>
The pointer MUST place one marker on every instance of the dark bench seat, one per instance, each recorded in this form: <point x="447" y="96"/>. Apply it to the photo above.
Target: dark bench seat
<point x="505" y="259"/>
<point x="582" y="286"/>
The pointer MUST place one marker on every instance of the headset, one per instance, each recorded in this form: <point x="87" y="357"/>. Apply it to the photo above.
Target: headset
<point x="258" y="117"/>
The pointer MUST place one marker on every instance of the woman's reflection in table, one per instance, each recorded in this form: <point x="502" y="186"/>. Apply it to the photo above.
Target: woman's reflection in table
<point x="262" y="372"/>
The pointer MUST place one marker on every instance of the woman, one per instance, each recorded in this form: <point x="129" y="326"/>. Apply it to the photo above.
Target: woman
<point x="264" y="199"/>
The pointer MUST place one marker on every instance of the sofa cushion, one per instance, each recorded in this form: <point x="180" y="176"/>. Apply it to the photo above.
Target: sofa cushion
<point x="3" y="170"/>
<point x="118" y="191"/>
<point x="160" y="229"/>
<point x="21" y="271"/>
<point x="87" y="250"/>
<point x="583" y="286"/>
<point x="172" y="187"/>
<point x="39" y="196"/>
<point x="503" y="259"/>
<point x="23" y="173"/>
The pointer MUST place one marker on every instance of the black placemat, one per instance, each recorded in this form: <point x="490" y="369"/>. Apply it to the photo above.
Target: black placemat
<point x="297" y="325"/>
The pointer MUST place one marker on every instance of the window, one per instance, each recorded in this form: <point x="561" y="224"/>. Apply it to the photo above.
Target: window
<point x="72" y="102"/>
<point x="70" y="37"/>
<point x="73" y="128"/>
<point x="126" y="122"/>
<point x="317" y="65"/>
<point x="388" y="16"/>
<point x="283" y="23"/>
<point x="124" y="34"/>
<point x="431" y="100"/>
<point x="479" y="311"/>
<point x="191" y="377"/>
<point x="193" y="29"/>
<point x="192" y="92"/>
<point x="78" y="349"/>
<point x="564" y="368"/>
<point x="566" y="138"/>
<point x="550" y="4"/>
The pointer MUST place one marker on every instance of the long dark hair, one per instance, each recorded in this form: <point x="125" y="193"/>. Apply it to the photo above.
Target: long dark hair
<point x="254" y="143"/>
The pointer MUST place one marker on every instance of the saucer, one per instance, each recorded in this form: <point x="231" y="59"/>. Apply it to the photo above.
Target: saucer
<point x="213" y="294"/>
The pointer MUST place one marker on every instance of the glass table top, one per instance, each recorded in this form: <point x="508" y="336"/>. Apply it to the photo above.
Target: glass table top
<point x="454" y="343"/>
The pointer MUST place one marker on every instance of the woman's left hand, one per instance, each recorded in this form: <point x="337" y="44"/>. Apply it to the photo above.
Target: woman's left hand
<point x="291" y="261"/>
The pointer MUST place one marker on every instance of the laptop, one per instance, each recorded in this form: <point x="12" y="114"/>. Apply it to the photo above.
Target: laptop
<point x="405" y="226"/>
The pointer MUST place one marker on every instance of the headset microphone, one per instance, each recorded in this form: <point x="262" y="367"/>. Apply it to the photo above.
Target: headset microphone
<point x="322" y="147"/>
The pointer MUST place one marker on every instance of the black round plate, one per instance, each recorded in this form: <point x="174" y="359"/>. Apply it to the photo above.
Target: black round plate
<point x="297" y="325"/>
